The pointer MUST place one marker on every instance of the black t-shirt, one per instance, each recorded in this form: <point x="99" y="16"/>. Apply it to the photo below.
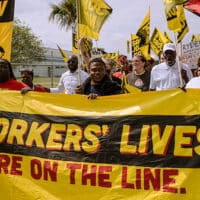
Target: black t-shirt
<point x="140" y="81"/>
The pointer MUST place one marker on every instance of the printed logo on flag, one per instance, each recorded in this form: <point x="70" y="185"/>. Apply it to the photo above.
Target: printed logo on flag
<point x="6" y="10"/>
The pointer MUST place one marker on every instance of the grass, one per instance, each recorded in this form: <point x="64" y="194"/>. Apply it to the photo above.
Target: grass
<point x="45" y="81"/>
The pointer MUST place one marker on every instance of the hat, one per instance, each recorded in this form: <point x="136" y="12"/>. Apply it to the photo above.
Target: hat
<point x="169" y="46"/>
<point x="122" y="59"/>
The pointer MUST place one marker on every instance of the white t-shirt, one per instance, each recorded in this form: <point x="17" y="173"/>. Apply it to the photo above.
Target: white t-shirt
<point x="165" y="77"/>
<point x="194" y="83"/>
<point x="69" y="81"/>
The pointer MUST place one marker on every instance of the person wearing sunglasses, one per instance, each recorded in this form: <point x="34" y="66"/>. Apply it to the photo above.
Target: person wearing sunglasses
<point x="70" y="79"/>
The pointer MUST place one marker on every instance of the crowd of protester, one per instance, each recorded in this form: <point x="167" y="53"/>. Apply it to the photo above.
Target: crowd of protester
<point x="104" y="76"/>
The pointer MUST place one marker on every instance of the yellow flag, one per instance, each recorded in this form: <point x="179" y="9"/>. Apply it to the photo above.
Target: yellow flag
<point x="184" y="27"/>
<point x="126" y="88"/>
<point x="64" y="54"/>
<point x="195" y="37"/>
<point x="169" y="4"/>
<point x="75" y="49"/>
<point x="135" y="44"/>
<point x="143" y="33"/>
<point x="173" y="21"/>
<point x="91" y="17"/>
<point x="6" y="27"/>
<point x="157" y="41"/>
<point x="113" y="56"/>
<point x="168" y="37"/>
<point x="128" y="46"/>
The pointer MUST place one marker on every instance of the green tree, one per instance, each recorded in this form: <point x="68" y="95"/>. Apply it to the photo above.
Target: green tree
<point x="64" y="13"/>
<point x="26" y="47"/>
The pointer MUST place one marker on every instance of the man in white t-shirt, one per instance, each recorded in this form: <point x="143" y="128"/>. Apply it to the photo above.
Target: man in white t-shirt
<point x="70" y="79"/>
<point x="166" y="75"/>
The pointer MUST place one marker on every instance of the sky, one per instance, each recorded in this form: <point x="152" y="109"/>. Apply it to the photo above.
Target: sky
<point x="125" y="20"/>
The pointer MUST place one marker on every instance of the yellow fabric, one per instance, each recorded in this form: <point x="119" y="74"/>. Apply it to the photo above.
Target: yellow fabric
<point x="143" y="33"/>
<point x="128" y="46"/>
<point x="169" y="4"/>
<point x="6" y="38"/>
<point x="127" y="88"/>
<point x="196" y="37"/>
<point x="135" y="42"/>
<point x="113" y="56"/>
<point x="6" y="27"/>
<point x="167" y="37"/>
<point x="184" y="27"/>
<point x="64" y="54"/>
<point x="91" y="17"/>
<point x="75" y="49"/>
<point x="27" y="177"/>
<point x="173" y="19"/>
<point x="157" y="41"/>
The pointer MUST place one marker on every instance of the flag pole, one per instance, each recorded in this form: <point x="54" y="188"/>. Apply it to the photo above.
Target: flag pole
<point x="79" y="57"/>
<point x="178" y="61"/>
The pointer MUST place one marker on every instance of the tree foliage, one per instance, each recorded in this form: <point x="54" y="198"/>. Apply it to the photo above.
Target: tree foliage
<point x="26" y="47"/>
<point x="64" y="13"/>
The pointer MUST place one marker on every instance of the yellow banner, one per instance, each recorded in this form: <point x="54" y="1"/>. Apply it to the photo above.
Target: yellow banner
<point x="6" y="27"/>
<point x="58" y="146"/>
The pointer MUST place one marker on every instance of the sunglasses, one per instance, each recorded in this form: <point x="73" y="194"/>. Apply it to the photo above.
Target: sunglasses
<point x="71" y="61"/>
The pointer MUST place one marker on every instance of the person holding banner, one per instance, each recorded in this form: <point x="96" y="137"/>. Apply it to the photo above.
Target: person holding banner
<point x="98" y="83"/>
<point x="166" y="75"/>
<point x="27" y="78"/>
<point x="70" y="79"/>
<point x="7" y="77"/>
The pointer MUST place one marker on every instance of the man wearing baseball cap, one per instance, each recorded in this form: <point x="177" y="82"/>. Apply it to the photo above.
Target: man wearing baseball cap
<point x="166" y="75"/>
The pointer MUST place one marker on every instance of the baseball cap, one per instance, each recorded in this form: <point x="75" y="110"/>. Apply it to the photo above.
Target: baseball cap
<point x="169" y="46"/>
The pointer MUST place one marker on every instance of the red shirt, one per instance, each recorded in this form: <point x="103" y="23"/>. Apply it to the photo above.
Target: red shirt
<point x="119" y="74"/>
<point x="13" y="84"/>
<point x="39" y="88"/>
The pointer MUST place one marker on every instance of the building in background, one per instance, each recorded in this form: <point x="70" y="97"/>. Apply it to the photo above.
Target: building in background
<point x="52" y="66"/>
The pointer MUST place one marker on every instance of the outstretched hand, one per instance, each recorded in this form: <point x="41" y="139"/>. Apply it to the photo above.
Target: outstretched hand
<point x="79" y="89"/>
<point x="25" y="90"/>
<point x="92" y="96"/>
